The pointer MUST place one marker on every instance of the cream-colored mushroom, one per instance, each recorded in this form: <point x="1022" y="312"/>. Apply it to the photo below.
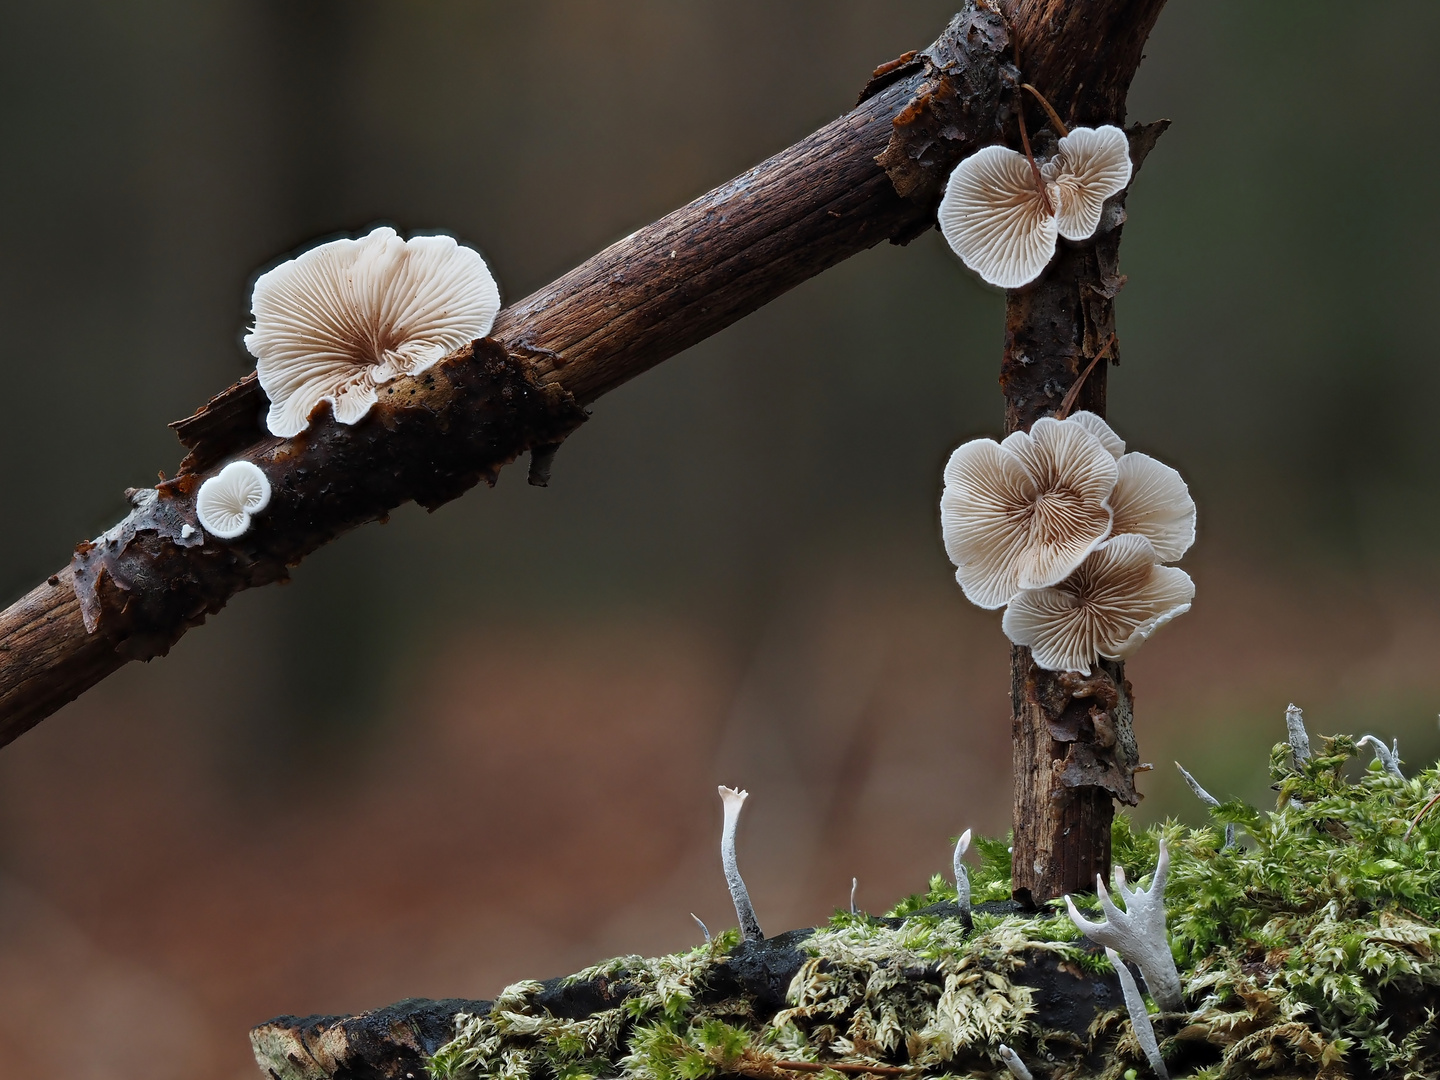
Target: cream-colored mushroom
<point x="1003" y="224"/>
<point x="226" y="501"/>
<point x="1023" y="514"/>
<point x="1118" y="597"/>
<point x="348" y="316"/>
<point x="1102" y="431"/>
<point x="1152" y="500"/>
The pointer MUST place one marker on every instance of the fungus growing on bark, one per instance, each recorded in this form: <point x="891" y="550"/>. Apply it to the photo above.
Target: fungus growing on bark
<point x="1002" y="213"/>
<point x="1024" y="513"/>
<point x="1138" y="932"/>
<point x="744" y="910"/>
<point x="1140" y="1021"/>
<point x="227" y="500"/>
<point x="341" y="319"/>
<point x="1117" y="598"/>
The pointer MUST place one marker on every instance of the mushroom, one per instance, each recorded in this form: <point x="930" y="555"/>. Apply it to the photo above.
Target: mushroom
<point x="1140" y="1022"/>
<point x="1117" y="598"/>
<point x="1138" y="932"/>
<point x="1388" y="756"/>
<point x="1152" y="500"/>
<point x="343" y="318"/>
<point x="1024" y="513"/>
<point x="227" y="500"/>
<point x="1003" y="223"/>
<point x="744" y="910"/>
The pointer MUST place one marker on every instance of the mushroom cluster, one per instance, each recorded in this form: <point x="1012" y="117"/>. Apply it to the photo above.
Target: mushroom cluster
<point x="1003" y="210"/>
<point x="350" y="315"/>
<point x="1070" y="534"/>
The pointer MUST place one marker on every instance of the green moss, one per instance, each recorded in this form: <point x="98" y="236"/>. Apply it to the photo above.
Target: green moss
<point x="1307" y="950"/>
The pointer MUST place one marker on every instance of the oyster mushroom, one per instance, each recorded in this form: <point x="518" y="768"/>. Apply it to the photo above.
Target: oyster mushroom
<point x="1003" y="224"/>
<point x="1024" y="513"/>
<point x="1117" y="598"/>
<point x="226" y="501"/>
<point x="343" y="318"/>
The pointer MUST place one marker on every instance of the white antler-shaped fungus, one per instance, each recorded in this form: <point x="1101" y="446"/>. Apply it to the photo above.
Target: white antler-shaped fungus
<point x="1140" y="1021"/>
<point x="1138" y="932"/>
<point x="1117" y="598"/>
<point x="1024" y="513"/>
<point x="1003" y="224"/>
<point x="226" y="501"/>
<point x="744" y="910"/>
<point x="343" y="318"/>
<point x="962" y="876"/>
<point x="1388" y="756"/>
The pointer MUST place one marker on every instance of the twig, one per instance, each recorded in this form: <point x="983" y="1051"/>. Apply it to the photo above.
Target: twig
<point x="1045" y="102"/>
<point x="1034" y="168"/>
<point x="1072" y="395"/>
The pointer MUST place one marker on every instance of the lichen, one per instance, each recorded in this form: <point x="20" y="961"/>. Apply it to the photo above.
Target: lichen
<point x="1311" y="948"/>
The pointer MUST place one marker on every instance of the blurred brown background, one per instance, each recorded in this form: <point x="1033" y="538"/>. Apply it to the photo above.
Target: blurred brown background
<point x="483" y="744"/>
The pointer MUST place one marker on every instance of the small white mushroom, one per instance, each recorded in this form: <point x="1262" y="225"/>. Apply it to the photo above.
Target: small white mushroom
<point x="1117" y="598"/>
<point x="1014" y="1064"/>
<point x="1101" y="430"/>
<point x="227" y="500"/>
<point x="1389" y="757"/>
<point x="348" y="316"/>
<point x="1003" y="225"/>
<point x="962" y="876"/>
<point x="1296" y="735"/>
<point x="854" y="885"/>
<point x="1152" y="500"/>
<point x="1138" y="932"/>
<point x="1024" y="513"/>
<point x="744" y="910"/>
<point x="1140" y="1021"/>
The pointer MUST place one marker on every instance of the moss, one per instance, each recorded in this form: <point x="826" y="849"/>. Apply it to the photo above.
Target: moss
<point x="1307" y="950"/>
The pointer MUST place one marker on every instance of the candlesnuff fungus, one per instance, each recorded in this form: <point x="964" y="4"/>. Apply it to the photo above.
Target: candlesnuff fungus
<point x="227" y="500"/>
<point x="1296" y="735"/>
<point x="1118" y="597"/>
<point x="1388" y="756"/>
<point x="1002" y="219"/>
<point x="1138" y="932"/>
<point x="1014" y="1064"/>
<point x="341" y="319"/>
<point x="962" y="876"/>
<point x="1208" y="799"/>
<point x="1140" y="1021"/>
<point x="744" y="911"/>
<point x="1024" y="513"/>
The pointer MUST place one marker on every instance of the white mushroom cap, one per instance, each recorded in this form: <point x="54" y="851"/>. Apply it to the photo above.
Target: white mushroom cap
<point x="348" y="316"/>
<point x="1023" y="514"/>
<point x="227" y="500"/>
<point x="993" y="216"/>
<point x="1090" y="165"/>
<point x="1102" y="431"/>
<point x="996" y="218"/>
<point x="1117" y="598"/>
<point x="1152" y="500"/>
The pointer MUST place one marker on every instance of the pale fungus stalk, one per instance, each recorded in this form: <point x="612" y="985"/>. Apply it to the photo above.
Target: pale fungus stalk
<point x="344" y="318"/>
<point x="1138" y="932"/>
<point x="1297" y="736"/>
<point x="1002" y="212"/>
<point x="962" y="875"/>
<point x="228" y="500"/>
<point x="1140" y="1021"/>
<point x="703" y="928"/>
<point x="1014" y="1064"/>
<point x="1208" y="799"/>
<point x="1388" y="756"/>
<point x="744" y="910"/>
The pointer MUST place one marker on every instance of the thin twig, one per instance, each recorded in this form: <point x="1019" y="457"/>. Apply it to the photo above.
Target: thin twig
<point x="1073" y="393"/>
<point x="1045" y="102"/>
<point x="1034" y="168"/>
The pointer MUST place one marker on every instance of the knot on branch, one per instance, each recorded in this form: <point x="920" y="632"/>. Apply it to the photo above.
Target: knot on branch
<point x="959" y="105"/>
